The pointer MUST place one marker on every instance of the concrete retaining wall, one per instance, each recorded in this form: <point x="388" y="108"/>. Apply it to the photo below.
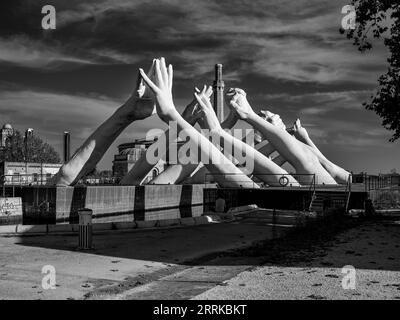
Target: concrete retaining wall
<point x="285" y="199"/>
<point x="51" y="205"/>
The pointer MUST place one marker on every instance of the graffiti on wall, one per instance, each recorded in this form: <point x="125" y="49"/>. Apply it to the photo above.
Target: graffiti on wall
<point x="10" y="207"/>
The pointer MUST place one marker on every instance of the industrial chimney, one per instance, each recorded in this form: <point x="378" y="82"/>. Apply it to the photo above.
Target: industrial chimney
<point x="218" y="87"/>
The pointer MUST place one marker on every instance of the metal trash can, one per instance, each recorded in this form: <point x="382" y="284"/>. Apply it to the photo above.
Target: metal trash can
<point x="85" y="229"/>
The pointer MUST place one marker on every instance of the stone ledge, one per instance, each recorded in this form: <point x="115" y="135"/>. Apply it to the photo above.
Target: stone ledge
<point x="98" y="227"/>
<point x="27" y="229"/>
<point x="8" y="229"/>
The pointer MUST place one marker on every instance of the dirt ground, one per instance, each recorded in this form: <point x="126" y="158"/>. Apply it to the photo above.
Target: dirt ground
<point x="314" y="271"/>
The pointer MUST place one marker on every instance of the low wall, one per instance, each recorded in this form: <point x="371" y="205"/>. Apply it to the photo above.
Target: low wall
<point x="263" y="198"/>
<point x="10" y="211"/>
<point x="385" y="198"/>
<point x="51" y="205"/>
<point x="285" y="199"/>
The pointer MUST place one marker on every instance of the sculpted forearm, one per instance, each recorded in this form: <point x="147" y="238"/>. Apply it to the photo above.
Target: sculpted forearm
<point x="280" y="140"/>
<point x="264" y="168"/>
<point x="139" y="106"/>
<point x="177" y="173"/>
<point x="174" y="174"/>
<point x="224" y="171"/>
<point x="93" y="149"/>
<point x="143" y="166"/>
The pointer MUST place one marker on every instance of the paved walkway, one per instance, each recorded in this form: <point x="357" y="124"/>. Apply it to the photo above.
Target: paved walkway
<point x="206" y="262"/>
<point x="120" y="262"/>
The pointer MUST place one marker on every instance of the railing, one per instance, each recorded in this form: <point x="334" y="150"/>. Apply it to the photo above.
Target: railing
<point x="282" y="181"/>
<point x="98" y="181"/>
<point x="373" y="182"/>
<point x="312" y="194"/>
<point x="14" y="181"/>
<point x="348" y="191"/>
<point x="20" y="180"/>
<point x="279" y="181"/>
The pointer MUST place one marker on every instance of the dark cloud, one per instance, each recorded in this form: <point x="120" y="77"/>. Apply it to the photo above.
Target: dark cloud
<point x="288" y="56"/>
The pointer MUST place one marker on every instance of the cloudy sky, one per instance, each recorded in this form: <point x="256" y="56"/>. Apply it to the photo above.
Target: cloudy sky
<point x="287" y="55"/>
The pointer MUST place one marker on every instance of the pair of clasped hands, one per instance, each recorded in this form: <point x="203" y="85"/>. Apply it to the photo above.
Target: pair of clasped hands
<point x="159" y="79"/>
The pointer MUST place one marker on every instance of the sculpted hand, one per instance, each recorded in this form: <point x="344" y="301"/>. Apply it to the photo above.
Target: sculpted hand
<point x="273" y="118"/>
<point x="162" y="89"/>
<point x="238" y="102"/>
<point x="142" y="102"/>
<point x="299" y="132"/>
<point x="210" y="118"/>
<point x="193" y="112"/>
<point x="231" y="119"/>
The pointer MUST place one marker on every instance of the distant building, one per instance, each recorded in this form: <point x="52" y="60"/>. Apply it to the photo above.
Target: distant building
<point x="386" y="179"/>
<point x="26" y="173"/>
<point x="129" y="154"/>
<point x="5" y="132"/>
<point x="394" y="178"/>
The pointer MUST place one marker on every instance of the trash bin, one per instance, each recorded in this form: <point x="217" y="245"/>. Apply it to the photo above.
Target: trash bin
<point x="85" y="229"/>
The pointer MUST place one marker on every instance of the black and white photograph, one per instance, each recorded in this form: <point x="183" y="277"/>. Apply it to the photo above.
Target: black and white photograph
<point x="199" y="154"/>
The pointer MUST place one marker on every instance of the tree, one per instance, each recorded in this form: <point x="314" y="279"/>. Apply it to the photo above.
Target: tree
<point x="37" y="150"/>
<point x="380" y="19"/>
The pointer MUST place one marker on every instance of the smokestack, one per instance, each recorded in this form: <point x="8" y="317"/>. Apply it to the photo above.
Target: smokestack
<point x="219" y="93"/>
<point x="28" y="134"/>
<point x="67" y="141"/>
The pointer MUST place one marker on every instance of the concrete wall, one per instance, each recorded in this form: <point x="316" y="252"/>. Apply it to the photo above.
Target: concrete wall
<point x="271" y="199"/>
<point x="50" y="205"/>
<point x="263" y="198"/>
<point x="10" y="211"/>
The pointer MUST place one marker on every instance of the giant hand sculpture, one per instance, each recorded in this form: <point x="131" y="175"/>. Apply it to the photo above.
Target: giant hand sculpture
<point x="139" y="106"/>
<point x="172" y="174"/>
<point x="177" y="173"/>
<point x="300" y="156"/>
<point x="225" y="172"/>
<point x="339" y="174"/>
<point x="264" y="168"/>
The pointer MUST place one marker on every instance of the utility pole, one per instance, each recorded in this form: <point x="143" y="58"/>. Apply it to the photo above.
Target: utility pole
<point x="67" y="144"/>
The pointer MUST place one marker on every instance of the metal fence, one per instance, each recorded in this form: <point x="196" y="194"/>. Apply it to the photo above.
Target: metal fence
<point x="277" y="181"/>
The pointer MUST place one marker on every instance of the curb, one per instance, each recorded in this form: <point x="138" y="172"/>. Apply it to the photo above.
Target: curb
<point x="99" y="227"/>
